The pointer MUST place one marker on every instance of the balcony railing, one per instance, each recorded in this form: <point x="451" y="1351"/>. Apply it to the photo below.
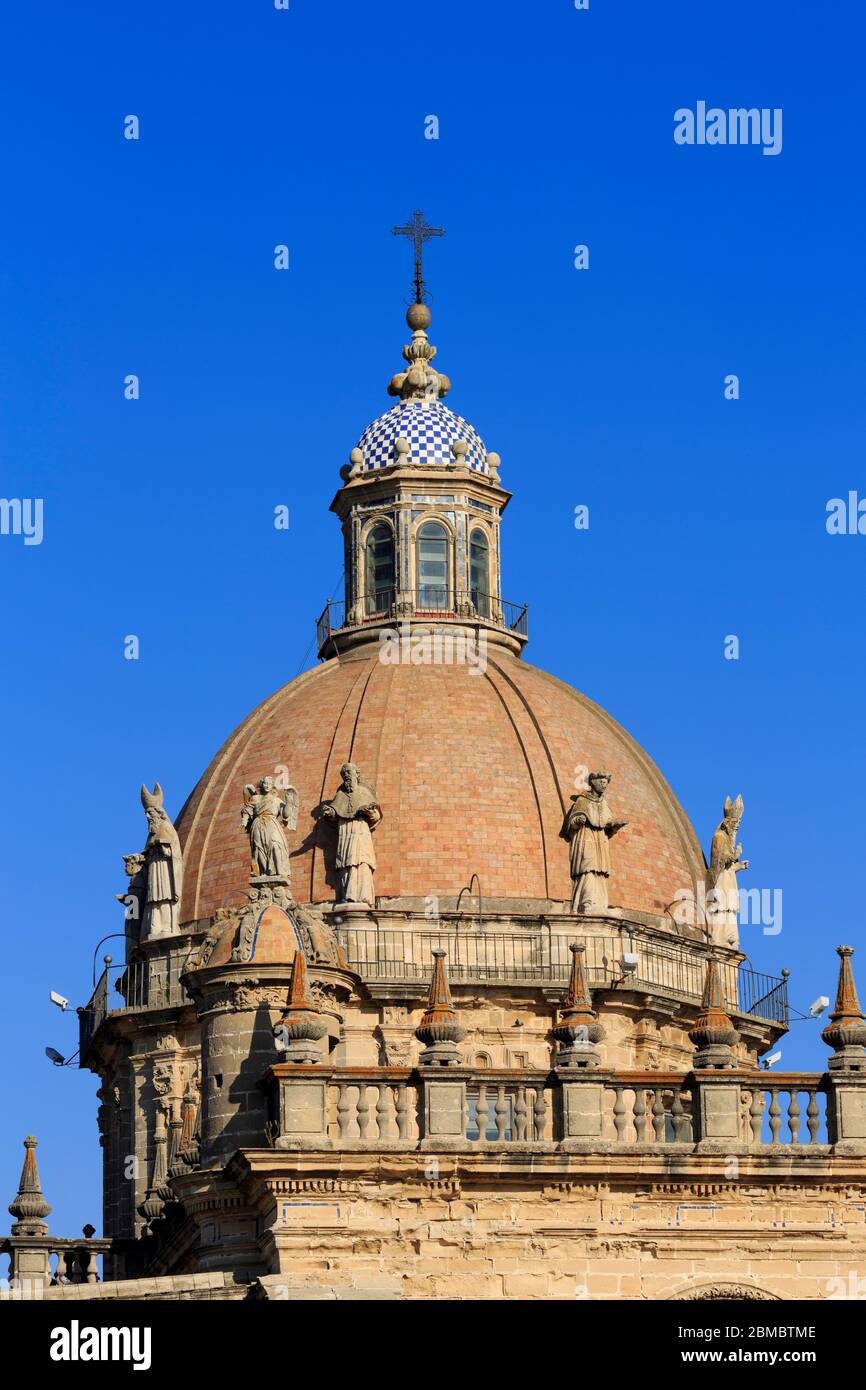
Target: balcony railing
<point x="543" y="958"/>
<point x="139" y="984"/>
<point x="429" y="601"/>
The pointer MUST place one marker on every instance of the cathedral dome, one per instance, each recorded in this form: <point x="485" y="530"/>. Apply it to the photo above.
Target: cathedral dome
<point x="473" y="773"/>
<point x="429" y="428"/>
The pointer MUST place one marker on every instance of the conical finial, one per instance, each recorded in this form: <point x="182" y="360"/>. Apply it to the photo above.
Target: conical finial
<point x="301" y="1025"/>
<point x="846" y="1031"/>
<point x="713" y="1033"/>
<point x="439" y="1030"/>
<point x="29" y="1207"/>
<point x="577" y="1028"/>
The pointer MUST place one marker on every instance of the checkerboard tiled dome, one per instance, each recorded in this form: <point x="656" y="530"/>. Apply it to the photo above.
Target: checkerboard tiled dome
<point x="430" y="427"/>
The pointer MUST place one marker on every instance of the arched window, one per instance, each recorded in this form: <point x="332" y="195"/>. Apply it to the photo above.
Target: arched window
<point x="379" y="568"/>
<point x="479" y="572"/>
<point x="434" y="570"/>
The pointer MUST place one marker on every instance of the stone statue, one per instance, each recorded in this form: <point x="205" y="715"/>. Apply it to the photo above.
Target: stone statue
<point x="356" y="813"/>
<point x="265" y="812"/>
<point x="588" y="826"/>
<point x="163" y="869"/>
<point x="723" y="895"/>
<point x="134" y="897"/>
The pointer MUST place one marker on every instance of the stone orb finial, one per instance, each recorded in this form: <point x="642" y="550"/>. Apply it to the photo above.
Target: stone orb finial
<point x="459" y="450"/>
<point x="418" y="317"/>
<point x="401" y="450"/>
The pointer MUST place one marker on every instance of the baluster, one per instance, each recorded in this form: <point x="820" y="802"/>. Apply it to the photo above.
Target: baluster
<point x="363" y="1111"/>
<point x="639" y="1113"/>
<point x="539" y="1112"/>
<point x="813" y="1118"/>
<point x="659" y="1116"/>
<point x="678" y="1116"/>
<point x="402" y="1111"/>
<point x="756" y="1114"/>
<point x="343" y="1110"/>
<point x="500" y="1111"/>
<point x="619" y="1114"/>
<point x="775" y="1113"/>
<point x="520" y="1115"/>
<point x="383" y="1112"/>
<point x="794" y="1117"/>
<point x="481" y="1112"/>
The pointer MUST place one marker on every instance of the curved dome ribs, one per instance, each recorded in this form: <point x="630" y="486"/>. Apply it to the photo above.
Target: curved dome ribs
<point x="331" y="767"/>
<point x="473" y="774"/>
<point x="531" y="775"/>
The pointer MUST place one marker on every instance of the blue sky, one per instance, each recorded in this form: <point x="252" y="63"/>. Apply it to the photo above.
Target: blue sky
<point x="602" y="387"/>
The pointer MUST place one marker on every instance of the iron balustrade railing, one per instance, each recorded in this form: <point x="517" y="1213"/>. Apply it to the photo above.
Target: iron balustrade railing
<point x="430" y="600"/>
<point x="482" y="957"/>
<point x="138" y="984"/>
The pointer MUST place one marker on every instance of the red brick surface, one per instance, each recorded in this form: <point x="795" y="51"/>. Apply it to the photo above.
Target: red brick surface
<point x="472" y="773"/>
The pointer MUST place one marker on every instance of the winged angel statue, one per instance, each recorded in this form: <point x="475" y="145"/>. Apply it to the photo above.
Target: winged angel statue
<point x="267" y="809"/>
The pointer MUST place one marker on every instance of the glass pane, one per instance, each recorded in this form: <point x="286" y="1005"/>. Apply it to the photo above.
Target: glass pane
<point x="479" y="573"/>
<point x="433" y="570"/>
<point x="380" y="569"/>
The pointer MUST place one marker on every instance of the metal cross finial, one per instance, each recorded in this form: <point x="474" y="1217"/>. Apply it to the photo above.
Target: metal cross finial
<point x="419" y="232"/>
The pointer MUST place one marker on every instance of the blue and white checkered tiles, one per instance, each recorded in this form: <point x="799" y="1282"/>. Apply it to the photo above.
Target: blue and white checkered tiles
<point x="430" y="428"/>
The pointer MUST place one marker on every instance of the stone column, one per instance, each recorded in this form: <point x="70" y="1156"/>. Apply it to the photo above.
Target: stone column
<point x="443" y="1078"/>
<point x="581" y="1086"/>
<point x="31" y="1269"/>
<point x="302" y="1094"/>
<point x="715" y="1096"/>
<point x="846" y="1077"/>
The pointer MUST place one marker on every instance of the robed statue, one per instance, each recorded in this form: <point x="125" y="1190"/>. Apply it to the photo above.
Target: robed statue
<point x="267" y="810"/>
<point x="163" y="869"/>
<point x="726" y="861"/>
<point x="588" y="826"/>
<point x="356" y="813"/>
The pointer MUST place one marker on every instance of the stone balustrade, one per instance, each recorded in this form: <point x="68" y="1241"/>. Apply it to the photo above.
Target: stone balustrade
<point x="406" y="1108"/>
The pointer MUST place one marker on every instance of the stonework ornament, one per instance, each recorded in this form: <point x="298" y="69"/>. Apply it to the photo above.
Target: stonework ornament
<point x="355" y="812"/>
<point x="163" y="871"/>
<point x="723" y="895"/>
<point x="588" y="827"/>
<point x="267" y="809"/>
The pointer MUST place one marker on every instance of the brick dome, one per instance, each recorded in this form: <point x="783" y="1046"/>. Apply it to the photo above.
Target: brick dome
<point x="472" y="771"/>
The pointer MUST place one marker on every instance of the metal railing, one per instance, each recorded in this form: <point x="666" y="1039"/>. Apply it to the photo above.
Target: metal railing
<point x="430" y="600"/>
<point x="544" y="958"/>
<point x="136" y="985"/>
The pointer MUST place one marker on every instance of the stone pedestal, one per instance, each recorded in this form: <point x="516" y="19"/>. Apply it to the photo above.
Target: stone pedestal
<point x="302" y="1102"/>
<point x="444" y="1108"/>
<point x="846" y="1110"/>
<point x="716" y="1111"/>
<point x="582" y="1099"/>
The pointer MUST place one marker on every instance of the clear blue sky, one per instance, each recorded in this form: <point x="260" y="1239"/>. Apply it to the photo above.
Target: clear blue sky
<point x="603" y="387"/>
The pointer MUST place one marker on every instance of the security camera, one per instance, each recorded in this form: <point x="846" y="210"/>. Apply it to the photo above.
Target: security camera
<point x="818" y="1007"/>
<point x="630" y="962"/>
<point x="54" y="1056"/>
<point x="771" y="1060"/>
<point x="59" y="1000"/>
